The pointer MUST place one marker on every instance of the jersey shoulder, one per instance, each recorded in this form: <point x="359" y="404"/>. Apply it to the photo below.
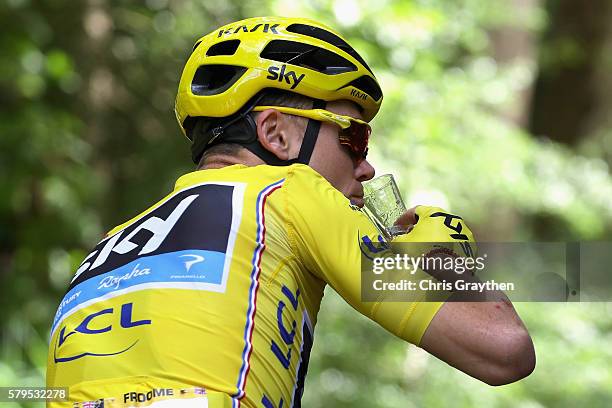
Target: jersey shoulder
<point x="309" y="188"/>
<point x="255" y="178"/>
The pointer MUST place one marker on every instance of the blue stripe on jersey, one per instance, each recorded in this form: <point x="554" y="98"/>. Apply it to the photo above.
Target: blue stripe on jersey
<point x="189" y="269"/>
<point x="259" y="248"/>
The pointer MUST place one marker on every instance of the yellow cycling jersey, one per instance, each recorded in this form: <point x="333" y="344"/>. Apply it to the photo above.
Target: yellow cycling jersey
<point x="216" y="289"/>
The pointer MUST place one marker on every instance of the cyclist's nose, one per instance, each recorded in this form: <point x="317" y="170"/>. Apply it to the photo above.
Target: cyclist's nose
<point x="364" y="171"/>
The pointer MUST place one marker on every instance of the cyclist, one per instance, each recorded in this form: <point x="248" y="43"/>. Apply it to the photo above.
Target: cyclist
<point x="211" y="295"/>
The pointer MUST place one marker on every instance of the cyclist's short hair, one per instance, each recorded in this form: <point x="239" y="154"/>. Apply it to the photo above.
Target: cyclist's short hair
<point x="277" y="97"/>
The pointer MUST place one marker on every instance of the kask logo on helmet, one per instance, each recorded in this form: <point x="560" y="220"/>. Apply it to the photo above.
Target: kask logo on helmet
<point x="289" y="76"/>
<point x="267" y="28"/>
<point x="358" y="94"/>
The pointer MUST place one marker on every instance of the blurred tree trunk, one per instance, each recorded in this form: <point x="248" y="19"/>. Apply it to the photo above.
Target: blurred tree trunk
<point x="514" y="42"/>
<point x="572" y="89"/>
<point x="517" y="43"/>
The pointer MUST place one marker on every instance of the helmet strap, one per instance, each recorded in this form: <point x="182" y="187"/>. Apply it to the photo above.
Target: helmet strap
<point x="241" y="130"/>
<point x="238" y="128"/>
<point x="308" y="143"/>
<point x="310" y="136"/>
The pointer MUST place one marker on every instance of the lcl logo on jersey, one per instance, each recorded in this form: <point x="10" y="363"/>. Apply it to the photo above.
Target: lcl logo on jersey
<point x="116" y="320"/>
<point x="369" y="249"/>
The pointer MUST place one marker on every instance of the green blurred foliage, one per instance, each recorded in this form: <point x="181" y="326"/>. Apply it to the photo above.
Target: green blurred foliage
<point x="88" y="139"/>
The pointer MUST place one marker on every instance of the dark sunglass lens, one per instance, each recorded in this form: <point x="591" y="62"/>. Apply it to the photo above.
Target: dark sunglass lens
<point x="356" y="137"/>
<point x="360" y="135"/>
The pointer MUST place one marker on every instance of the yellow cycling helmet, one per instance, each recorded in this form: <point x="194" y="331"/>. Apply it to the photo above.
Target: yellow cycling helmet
<point x="231" y="65"/>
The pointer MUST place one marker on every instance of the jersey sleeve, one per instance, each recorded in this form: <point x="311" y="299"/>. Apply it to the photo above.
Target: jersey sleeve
<point x="328" y="236"/>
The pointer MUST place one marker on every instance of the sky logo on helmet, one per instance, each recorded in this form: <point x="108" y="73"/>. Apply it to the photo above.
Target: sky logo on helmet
<point x="267" y="28"/>
<point x="281" y="74"/>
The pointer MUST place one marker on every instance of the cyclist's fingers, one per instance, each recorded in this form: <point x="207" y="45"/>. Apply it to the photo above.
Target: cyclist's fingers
<point x="408" y="218"/>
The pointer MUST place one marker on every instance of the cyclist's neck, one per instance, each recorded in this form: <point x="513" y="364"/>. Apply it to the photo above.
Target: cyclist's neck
<point x="219" y="161"/>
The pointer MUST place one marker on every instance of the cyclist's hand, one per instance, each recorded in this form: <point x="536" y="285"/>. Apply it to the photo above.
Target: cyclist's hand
<point x="433" y="225"/>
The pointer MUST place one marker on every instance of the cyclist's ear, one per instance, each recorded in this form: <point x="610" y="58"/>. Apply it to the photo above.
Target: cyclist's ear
<point x="277" y="134"/>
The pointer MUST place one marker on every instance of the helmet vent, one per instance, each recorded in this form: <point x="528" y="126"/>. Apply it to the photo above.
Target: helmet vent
<point x="223" y="48"/>
<point x="368" y="85"/>
<point x="215" y="79"/>
<point x="307" y="56"/>
<point x="328" y="37"/>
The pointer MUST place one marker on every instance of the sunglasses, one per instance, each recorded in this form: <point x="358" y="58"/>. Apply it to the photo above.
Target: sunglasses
<point x="354" y="133"/>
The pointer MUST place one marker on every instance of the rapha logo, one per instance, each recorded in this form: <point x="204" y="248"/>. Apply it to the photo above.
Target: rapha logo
<point x="289" y="76"/>
<point x="114" y="281"/>
<point x="194" y="260"/>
